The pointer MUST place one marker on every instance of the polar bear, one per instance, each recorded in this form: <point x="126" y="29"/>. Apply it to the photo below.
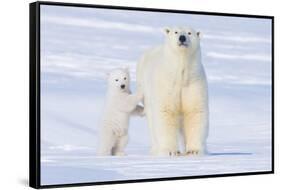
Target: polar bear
<point x="175" y="90"/>
<point x="120" y="105"/>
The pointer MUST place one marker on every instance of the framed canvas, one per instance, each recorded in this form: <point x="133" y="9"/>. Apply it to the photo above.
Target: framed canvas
<point x="126" y="94"/>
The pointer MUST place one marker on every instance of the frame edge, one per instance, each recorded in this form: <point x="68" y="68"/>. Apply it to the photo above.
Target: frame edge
<point x="87" y="5"/>
<point x="34" y="131"/>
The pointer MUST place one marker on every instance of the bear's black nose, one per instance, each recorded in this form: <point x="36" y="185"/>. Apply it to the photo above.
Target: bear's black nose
<point x="122" y="86"/>
<point x="182" y="38"/>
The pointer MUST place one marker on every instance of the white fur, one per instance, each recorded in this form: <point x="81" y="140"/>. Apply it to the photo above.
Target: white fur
<point x="173" y="81"/>
<point x="120" y="104"/>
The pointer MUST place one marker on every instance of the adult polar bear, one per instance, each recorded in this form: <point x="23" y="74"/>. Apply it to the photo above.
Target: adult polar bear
<point x="175" y="90"/>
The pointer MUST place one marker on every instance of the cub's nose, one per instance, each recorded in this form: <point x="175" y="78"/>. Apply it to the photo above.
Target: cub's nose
<point x="182" y="38"/>
<point x="123" y="86"/>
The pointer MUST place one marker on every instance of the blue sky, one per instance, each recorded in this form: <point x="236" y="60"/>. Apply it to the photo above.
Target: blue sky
<point x="84" y="44"/>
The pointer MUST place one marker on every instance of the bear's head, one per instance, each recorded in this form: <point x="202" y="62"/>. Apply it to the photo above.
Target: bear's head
<point x="184" y="39"/>
<point x="119" y="80"/>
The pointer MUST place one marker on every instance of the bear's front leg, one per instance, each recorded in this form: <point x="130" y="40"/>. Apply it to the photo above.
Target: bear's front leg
<point x="195" y="133"/>
<point x="196" y="117"/>
<point x="167" y="127"/>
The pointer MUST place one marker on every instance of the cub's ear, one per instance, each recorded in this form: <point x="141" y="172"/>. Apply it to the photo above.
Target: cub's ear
<point x="107" y="74"/>
<point x="199" y="34"/>
<point x="167" y="30"/>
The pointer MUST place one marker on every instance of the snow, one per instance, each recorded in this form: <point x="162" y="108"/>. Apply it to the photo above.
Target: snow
<point x="80" y="45"/>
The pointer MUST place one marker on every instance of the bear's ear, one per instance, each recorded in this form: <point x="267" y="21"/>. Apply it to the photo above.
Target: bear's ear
<point x="199" y="34"/>
<point x="167" y="30"/>
<point x="126" y="68"/>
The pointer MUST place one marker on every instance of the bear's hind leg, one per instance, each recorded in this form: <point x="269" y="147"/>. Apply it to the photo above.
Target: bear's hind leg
<point x="152" y="130"/>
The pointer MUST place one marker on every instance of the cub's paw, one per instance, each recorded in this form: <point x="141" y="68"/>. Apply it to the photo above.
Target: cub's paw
<point x="174" y="153"/>
<point x="139" y="111"/>
<point x="142" y="113"/>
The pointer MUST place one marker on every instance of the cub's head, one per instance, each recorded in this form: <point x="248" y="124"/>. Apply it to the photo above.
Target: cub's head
<point x="183" y="39"/>
<point x="119" y="79"/>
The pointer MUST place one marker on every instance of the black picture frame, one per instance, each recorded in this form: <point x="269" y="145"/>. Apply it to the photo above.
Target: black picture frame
<point x="34" y="92"/>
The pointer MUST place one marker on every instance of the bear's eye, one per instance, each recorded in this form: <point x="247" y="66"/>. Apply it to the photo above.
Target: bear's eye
<point x="125" y="78"/>
<point x="116" y="80"/>
<point x="189" y="33"/>
<point x="176" y="32"/>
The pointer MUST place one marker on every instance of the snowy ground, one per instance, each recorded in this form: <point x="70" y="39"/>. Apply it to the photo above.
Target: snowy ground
<point x="80" y="45"/>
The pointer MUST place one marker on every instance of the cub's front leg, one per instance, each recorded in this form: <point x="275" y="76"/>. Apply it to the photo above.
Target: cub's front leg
<point x="131" y="101"/>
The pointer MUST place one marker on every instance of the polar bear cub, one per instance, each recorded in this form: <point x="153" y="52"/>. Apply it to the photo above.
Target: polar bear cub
<point x="120" y="105"/>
